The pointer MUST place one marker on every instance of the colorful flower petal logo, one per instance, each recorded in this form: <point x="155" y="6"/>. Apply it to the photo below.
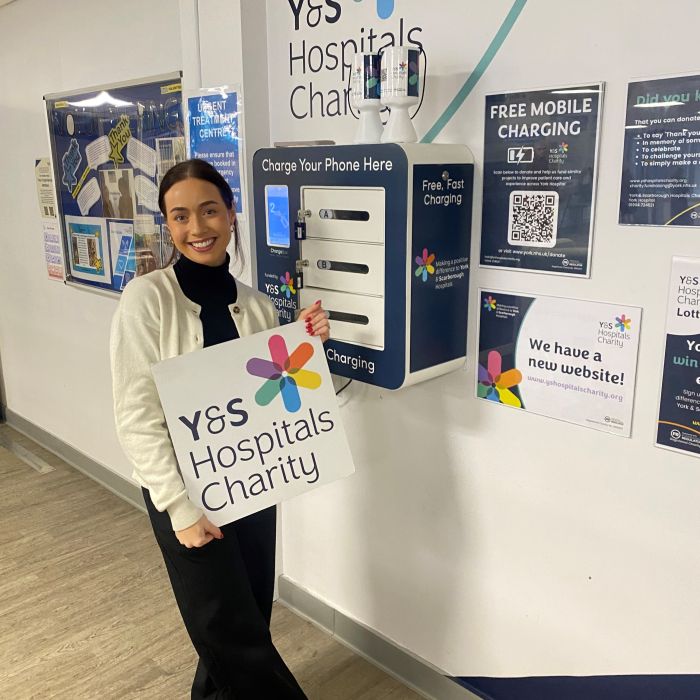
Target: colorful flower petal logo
<point x="490" y="303"/>
<point x="425" y="265"/>
<point x="284" y="373"/>
<point x="412" y="73"/>
<point x="563" y="147"/>
<point x="385" y="8"/>
<point x="287" y="285"/>
<point x="496" y="385"/>
<point x="622" y="323"/>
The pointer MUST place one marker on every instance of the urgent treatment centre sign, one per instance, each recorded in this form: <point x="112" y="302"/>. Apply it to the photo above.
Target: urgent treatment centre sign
<point x="254" y="421"/>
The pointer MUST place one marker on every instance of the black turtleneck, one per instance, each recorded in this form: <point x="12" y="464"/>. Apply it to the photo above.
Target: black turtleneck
<point x="214" y="289"/>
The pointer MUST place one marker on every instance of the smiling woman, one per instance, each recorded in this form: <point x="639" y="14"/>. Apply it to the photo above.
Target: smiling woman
<point x="197" y="204"/>
<point x="222" y="578"/>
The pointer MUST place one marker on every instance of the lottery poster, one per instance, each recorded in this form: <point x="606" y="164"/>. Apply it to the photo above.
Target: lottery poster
<point x="678" y="426"/>
<point x="110" y="147"/>
<point x="540" y="162"/>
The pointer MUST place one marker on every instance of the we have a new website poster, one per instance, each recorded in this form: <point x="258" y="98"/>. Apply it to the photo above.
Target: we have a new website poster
<point x="562" y="358"/>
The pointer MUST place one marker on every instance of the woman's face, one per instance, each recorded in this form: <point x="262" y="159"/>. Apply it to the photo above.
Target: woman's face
<point x="199" y="222"/>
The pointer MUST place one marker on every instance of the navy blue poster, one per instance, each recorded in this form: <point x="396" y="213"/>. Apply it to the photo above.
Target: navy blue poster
<point x="110" y="148"/>
<point x="540" y="151"/>
<point x="442" y="213"/>
<point x="214" y="136"/>
<point x="661" y="163"/>
<point x="678" y="426"/>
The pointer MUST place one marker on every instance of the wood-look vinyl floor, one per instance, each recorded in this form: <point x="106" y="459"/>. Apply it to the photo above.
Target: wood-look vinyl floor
<point x="86" y="610"/>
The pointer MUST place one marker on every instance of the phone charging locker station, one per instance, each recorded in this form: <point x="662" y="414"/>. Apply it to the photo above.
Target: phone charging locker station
<point x="379" y="233"/>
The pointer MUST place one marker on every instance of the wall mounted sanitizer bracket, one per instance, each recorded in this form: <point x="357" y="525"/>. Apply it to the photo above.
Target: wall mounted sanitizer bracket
<point x="381" y="235"/>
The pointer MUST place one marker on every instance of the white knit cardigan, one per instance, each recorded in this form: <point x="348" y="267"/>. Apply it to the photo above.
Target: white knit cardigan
<point x="156" y="321"/>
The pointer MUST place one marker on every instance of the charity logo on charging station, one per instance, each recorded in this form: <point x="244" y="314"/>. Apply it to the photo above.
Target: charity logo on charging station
<point x="282" y="292"/>
<point x="425" y="265"/>
<point x="320" y="67"/>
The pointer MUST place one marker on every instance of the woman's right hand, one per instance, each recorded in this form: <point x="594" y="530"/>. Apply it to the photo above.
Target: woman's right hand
<point x="199" y="534"/>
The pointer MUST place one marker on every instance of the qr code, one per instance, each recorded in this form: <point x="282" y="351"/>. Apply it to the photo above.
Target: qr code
<point x="532" y="218"/>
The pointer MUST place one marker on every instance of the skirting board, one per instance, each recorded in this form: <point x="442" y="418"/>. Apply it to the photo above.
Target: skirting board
<point x="414" y="672"/>
<point x="112" y="481"/>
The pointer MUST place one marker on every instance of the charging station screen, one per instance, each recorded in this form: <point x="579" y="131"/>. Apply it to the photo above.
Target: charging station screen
<point x="277" y="214"/>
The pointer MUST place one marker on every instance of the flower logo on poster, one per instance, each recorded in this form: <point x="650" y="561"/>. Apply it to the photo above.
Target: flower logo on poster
<point x="490" y="303"/>
<point x="495" y="384"/>
<point x="622" y="323"/>
<point x="287" y="287"/>
<point x="425" y="265"/>
<point x="284" y="373"/>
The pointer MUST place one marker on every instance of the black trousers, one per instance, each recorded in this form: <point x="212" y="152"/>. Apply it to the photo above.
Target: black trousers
<point x="224" y="592"/>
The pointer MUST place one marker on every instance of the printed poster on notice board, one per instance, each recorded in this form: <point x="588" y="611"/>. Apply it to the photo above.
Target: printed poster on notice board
<point x="661" y="160"/>
<point x="679" y="404"/>
<point x="540" y="158"/>
<point x="561" y="358"/>
<point x="254" y="421"/>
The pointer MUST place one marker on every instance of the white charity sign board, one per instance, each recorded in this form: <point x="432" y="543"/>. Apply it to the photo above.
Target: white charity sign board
<point x="253" y="421"/>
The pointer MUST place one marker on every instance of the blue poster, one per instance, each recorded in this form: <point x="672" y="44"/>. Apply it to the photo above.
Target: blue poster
<point x="661" y="162"/>
<point x="568" y="359"/>
<point x="540" y="150"/>
<point x="110" y="148"/>
<point x="442" y="214"/>
<point x="122" y="238"/>
<point x="678" y="426"/>
<point x="214" y="137"/>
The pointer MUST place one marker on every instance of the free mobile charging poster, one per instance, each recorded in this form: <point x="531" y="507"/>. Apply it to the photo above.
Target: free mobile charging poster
<point x="661" y="159"/>
<point x="214" y="133"/>
<point x="272" y="433"/>
<point x="540" y="158"/>
<point x="678" y="426"/>
<point x="561" y="358"/>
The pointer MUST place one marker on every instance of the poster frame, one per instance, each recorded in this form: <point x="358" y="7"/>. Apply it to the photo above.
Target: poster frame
<point x="535" y="295"/>
<point x="659" y="392"/>
<point x="640" y="79"/>
<point x="70" y="279"/>
<point x="594" y="189"/>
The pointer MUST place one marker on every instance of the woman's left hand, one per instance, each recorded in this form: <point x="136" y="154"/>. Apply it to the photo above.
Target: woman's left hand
<point x="316" y="320"/>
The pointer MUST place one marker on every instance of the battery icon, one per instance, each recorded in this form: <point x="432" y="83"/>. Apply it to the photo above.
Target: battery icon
<point x="523" y="154"/>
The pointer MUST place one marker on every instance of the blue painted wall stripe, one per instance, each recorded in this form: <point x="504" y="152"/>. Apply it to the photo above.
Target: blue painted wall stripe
<point x="476" y="74"/>
<point x="647" y="687"/>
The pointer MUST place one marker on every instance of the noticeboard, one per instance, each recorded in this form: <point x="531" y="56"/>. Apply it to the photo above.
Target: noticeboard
<point x="110" y="147"/>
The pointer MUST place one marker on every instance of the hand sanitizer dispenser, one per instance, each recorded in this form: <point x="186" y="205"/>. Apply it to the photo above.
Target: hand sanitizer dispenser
<point x="381" y="234"/>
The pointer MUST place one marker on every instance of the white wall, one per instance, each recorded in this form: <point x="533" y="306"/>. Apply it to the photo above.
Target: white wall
<point x="54" y="338"/>
<point x="490" y="541"/>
